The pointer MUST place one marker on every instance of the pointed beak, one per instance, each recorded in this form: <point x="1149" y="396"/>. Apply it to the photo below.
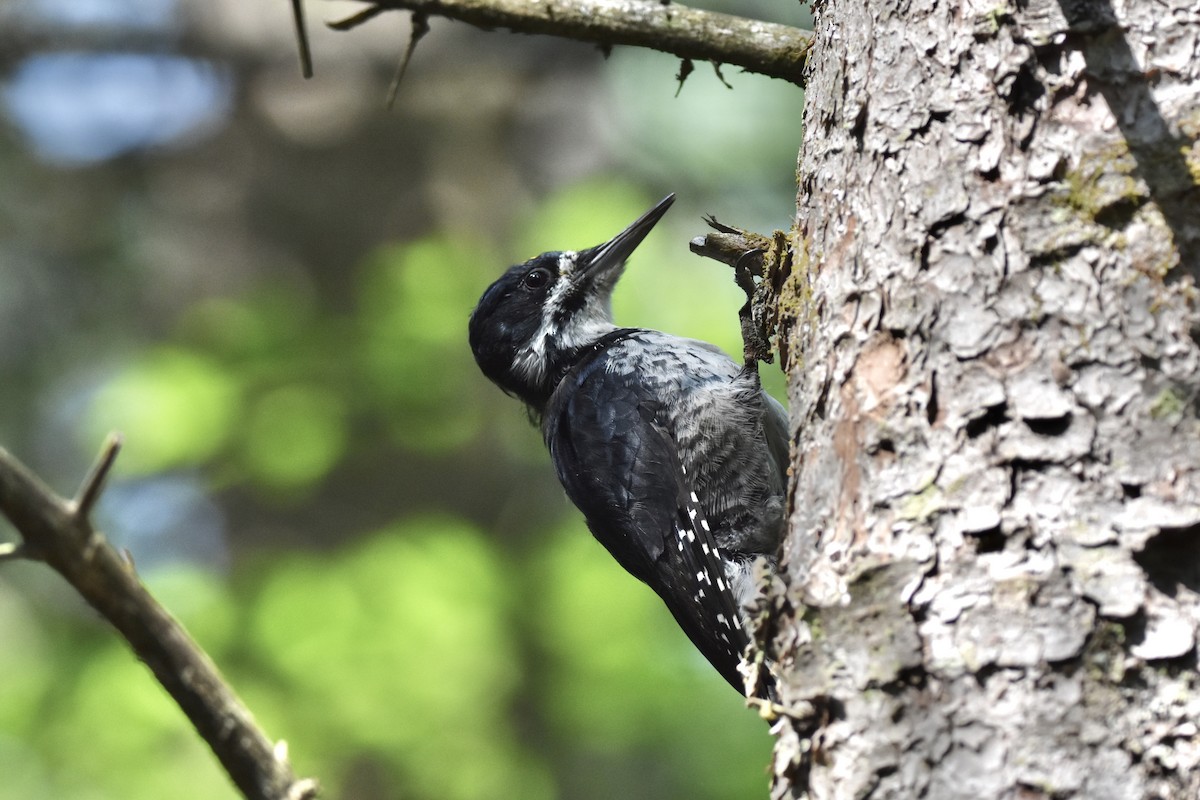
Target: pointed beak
<point x="603" y="264"/>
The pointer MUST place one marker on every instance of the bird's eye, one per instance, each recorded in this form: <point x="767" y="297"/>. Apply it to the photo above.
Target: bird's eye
<point x="536" y="278"/>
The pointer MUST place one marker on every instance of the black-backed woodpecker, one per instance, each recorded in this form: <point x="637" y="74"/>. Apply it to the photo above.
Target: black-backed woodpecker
<point x="674" y="454"/>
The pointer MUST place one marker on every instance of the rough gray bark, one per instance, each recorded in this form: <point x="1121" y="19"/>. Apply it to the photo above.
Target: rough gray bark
<point x="993" y="571"/>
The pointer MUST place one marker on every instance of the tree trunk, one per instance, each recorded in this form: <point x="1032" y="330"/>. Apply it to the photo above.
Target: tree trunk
<point x="993" y="568"/>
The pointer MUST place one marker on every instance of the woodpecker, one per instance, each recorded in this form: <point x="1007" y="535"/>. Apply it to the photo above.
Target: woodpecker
<point x="674" y="453"/>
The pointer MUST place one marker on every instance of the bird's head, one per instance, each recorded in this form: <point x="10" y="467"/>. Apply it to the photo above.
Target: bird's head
<point x="532" y="322"/>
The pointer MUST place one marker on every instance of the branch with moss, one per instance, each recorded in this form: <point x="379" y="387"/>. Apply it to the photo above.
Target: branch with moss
<point x="778" y="51"/>
<point x="59" y="532"/>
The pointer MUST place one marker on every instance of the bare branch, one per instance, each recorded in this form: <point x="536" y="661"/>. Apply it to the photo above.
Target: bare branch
<point x="778" y="51"/>
<point x="58" y="531"/>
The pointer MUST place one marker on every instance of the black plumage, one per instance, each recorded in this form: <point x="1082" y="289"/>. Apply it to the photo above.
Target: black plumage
<point x="672" y="451"/>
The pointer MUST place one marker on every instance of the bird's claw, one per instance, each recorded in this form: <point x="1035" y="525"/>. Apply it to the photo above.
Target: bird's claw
<point x="745" y="252"/>
<point x="754" y="347"/>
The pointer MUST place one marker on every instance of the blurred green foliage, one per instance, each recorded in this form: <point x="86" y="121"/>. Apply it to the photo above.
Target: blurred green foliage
<point x="419" y="659"/>
<point x="266" y="386"/>
<point x="422" y="658"/>
<point x="413" y="301"/>
<point x="365" y="535"/>
<point x="177" y="406"/>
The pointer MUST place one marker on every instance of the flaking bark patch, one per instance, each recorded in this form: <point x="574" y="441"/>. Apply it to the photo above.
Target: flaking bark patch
<point x="879" y="372"/>
<point x="846" y="446"/>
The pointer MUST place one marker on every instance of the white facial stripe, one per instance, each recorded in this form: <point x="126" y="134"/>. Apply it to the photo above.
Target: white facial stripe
<point x="566" y="267"/>
<point x="588" y="324"/>
<point x="567" y="260"/>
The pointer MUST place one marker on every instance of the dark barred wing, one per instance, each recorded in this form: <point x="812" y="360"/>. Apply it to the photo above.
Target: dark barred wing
<point x="622" y="470"/>
<point x="713" y="596"/>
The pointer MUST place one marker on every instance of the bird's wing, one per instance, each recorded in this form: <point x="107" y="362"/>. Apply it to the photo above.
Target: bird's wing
<point x="775" y="429"/>
<point x="621" y="468"/>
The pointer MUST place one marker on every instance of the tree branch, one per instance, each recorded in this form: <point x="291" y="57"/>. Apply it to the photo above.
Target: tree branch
<point x="778" y="51"/>
<point x="58" y="532"/>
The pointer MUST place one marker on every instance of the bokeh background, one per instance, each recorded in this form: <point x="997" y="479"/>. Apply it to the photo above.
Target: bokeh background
<point x="263" y="283"/>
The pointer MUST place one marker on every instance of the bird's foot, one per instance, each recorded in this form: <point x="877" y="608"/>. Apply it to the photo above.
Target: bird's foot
<point x="747" y="253"/>
<point x="754" y="346"/>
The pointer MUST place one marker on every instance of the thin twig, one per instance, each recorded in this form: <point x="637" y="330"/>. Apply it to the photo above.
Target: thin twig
<point x="685" y="68"/>
<point x="306" y="67"/>
<point x="353" y="21"/>
<point x="420" y="27"/>
<point x="59" y="532"/>
<point x="720" y="75"/>
<point x="89" y="490"/>
<point x="778" y="51"/>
